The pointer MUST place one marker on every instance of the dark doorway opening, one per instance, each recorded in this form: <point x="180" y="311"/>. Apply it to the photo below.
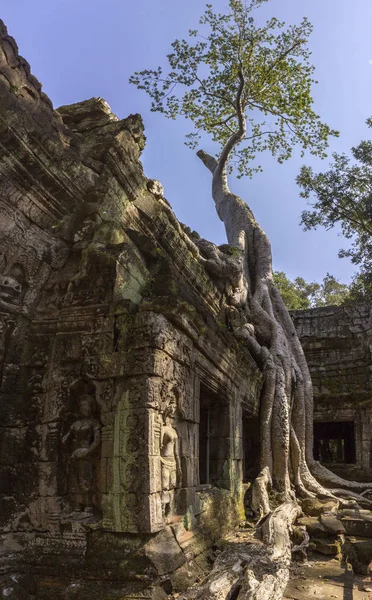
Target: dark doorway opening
<point x="204" y="445"/>
<point x="334" y="442"/>
<point x="251" y="448"/>
<point x="214" y="438"/>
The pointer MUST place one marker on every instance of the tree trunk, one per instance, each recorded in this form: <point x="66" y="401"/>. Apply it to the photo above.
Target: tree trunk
<point x="258" y="571"/>
<point x="286" y="418"/>
<point x="287" y="398"/>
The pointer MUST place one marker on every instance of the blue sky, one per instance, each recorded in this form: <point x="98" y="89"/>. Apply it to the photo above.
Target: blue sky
<point x="84" y="48"/>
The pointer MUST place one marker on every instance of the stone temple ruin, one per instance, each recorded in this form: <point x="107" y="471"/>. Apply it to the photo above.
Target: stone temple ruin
<point x="337" y="341"/>
<point x="129" y="411"/>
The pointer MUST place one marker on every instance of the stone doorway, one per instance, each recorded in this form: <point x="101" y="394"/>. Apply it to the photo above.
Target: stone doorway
<point x="251" y="447"/>
<point x="214" y="438"/>
<point x="334" y="442"/>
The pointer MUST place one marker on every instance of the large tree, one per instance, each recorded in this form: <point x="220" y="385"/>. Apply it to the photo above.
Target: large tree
<point x="295" y="294"/>
<point x="249" y="87"/>
<point x="299" y="294"/>
<point x="342" y="196"/>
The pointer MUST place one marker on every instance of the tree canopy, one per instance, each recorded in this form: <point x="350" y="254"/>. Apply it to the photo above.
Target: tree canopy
<point x="244" y="80"/>
<point x="343" y="196"/>
<point x="295" y="294"/>
<point x="299" y="294"/>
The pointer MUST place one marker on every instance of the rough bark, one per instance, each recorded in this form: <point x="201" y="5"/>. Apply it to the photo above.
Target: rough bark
<point x="256" y="571"/>
<point x="286" y="457"/>
<point x="287" y="398"/>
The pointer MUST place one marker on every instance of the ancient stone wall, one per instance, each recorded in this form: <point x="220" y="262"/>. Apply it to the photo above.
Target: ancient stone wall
<point x="337" y="341"/>
<point x="114" y="346"/>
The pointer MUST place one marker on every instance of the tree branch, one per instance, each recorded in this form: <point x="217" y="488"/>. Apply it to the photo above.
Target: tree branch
<point x="276" y="113"/>
<point x="209" y="161"/>
<point x="251" y="137"/>
<point x="239" y="136"/>
<point x="353" y="216"/>
<point x="214" y="95"/>
<point x="224" y="122"/>
<point x="280" y="58"/>
<point x="170" y="91"/>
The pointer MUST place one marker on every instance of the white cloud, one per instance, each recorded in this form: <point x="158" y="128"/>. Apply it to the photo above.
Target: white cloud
<point x="370" y="61"/>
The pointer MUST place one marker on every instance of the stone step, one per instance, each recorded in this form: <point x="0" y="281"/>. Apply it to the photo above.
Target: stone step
<point x="358" y="527"/>
<point x="325" y="526"/>
<point x="358" y="551"/>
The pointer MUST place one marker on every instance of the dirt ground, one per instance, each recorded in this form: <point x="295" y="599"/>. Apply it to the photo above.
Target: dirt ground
<point x="327" y="580"/>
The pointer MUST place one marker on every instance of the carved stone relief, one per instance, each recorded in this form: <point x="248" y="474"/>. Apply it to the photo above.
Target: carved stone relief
<point x="53" y="296"/>
<point x="12" y="288"/>
<point x="82" y="444"/>
<point x="108" y="400"/>
<point x="170" y="460"/>
<point x="35" y="384"/>
<point x="146" y="466"/>
<point x="124" y="501"/>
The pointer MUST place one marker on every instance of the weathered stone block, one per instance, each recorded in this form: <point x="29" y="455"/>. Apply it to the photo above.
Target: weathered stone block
<point x="185" y="502"/>
<point x="107" y="441"/>
<point x="331" y="524"/>
<point x="316" y="507"/>
<point x="164" y="552"/>
<point x="185" y="577"/>
<point x="358" y="527"/>
<point x="193" y="543"/>
<point x="159" y="332"/>
<point x="326" y="546"/>
<point x="103" y="480"/>
<point x="359" y="552"/>
<point x="152" y="512"/>
<point x="314" y="528"/>
<point x="48" y="475"/>
<point x="189" y="466"/>
<point x="154" y="481"/>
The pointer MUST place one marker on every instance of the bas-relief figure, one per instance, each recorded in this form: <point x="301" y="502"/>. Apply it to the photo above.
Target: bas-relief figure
<point x="83" y="440"/>
<point x="170" y="461"/>
<point x="12" y="288"/>
<point x="11" y="285"/>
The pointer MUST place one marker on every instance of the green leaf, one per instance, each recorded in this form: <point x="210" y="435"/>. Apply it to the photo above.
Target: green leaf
<point x="247" y="86"/>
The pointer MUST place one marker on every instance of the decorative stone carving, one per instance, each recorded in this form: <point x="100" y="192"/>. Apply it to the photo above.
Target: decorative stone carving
<point x="83" y="440"/>
<point x="155" y="187"/>
<point x="12" y="284"/>
<point x="170" y="461"/>
<point x="80" y="283"/>
<point x="35" y="384"/>
<point x="54" y="293"/>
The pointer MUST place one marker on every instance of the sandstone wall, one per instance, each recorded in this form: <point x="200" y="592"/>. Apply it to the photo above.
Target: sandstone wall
<point x="113" y="341"/>
<point x="338" y="343"/>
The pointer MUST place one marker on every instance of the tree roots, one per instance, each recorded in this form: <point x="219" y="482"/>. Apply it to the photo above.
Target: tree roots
<point x="258" y="316"/>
